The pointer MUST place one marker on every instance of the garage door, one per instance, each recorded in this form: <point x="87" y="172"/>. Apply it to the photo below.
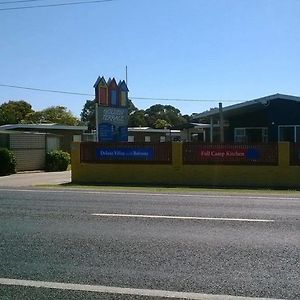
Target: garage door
<point x="29" y="150"/>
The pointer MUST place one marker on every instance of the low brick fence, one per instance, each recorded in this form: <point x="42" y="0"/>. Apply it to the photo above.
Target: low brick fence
<point x="186" y="164"/>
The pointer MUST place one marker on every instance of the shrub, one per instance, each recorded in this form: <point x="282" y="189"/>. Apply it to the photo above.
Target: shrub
<point x="7" y="162"/>
<point x="57" y="160"/>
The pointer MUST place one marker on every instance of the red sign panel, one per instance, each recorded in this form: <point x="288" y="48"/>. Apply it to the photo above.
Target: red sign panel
<point x="222" y="154"/>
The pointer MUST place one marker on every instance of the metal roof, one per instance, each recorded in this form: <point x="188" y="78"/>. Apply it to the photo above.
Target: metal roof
<point x="152" y="130"/>
<point x="42" y="126"/>
<point x="246" y="106"/>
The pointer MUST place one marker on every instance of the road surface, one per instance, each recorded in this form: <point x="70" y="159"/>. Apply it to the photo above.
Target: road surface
<point x="136" y="245"/>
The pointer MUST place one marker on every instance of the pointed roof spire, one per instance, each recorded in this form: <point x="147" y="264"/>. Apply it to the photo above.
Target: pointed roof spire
<point x="101" y="81"/>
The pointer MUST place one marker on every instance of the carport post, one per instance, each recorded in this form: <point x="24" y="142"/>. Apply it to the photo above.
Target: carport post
<point x="221" y="123"/>
<point x="97" y="121"/>
<point x="211" y="129"/>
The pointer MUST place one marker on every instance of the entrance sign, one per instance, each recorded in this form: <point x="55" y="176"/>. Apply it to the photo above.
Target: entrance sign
<point x="112" y="110"/>
<point x="228" y="154"/>
<point x="116" y="153"/>
<point x="106" y="132"/>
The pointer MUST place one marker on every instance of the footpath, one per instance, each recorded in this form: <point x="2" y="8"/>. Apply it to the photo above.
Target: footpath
<point x="28" y="179"/>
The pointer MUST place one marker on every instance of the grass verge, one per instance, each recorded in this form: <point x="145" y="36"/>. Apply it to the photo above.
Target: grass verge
<point x="174" y="189"/>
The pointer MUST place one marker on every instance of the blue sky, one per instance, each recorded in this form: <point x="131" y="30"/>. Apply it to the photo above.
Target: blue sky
<point x="217" y="50"/>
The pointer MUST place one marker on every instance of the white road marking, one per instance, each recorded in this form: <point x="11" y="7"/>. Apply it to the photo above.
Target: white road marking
<point x="79" y="191"/>
<point x="181" y="218"/>
<point x="120" y="290"/>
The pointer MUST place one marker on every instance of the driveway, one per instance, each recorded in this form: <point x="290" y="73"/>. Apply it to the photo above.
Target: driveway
<point x="25" y="179"/>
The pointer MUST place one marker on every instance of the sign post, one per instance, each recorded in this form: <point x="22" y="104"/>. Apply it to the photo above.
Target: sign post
<point x="111" y="110"/>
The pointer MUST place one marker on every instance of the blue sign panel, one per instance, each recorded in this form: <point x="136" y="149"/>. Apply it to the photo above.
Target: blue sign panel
<point x="106" y="132"/>
<point x="104" y="153"/>
<point x="253" y="154"/>
<point x="114" y="100"/>
<point x="123" y="134"/>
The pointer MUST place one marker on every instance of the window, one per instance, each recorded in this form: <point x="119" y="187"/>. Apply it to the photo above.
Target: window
<point x="251" y="135"/>
<point x="162" y="139"/>
<point x="77" y="138"/>
<point x="239" y="135"/>
<point x="130" y="139"/>
<point x="147" y="139"/>
<point x="287" y="133"/>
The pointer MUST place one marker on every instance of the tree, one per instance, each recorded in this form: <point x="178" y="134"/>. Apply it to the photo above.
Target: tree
<point x="88" y="113"/>
<point x="161" y="124"/>
<point x="137" y="118"/>
<point x="131" y="107"/>
<point x="13" y="112"/>
<point x="53" y="114"/>
<point x="169" y="113"/>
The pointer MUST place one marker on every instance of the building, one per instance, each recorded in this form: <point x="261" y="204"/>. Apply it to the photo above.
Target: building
<point x="143" y="135"/>
<point x="147" y="134"/>
<point x="29" y="148"/>
<point x="64" y="134"/>
<point x="272" y="118"/>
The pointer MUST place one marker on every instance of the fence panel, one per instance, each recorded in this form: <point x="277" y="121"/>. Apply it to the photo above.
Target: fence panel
<point x="149" y="153"/>
<point x="294" y="154"/>
<point x="254" y="154"/>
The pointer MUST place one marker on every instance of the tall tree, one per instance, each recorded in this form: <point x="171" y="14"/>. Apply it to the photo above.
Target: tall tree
<point x="54" y="114"/>
<point x="88" y="113"/>
<point x="161" y="124"/>
<point x="137" y="118"/>
<point x="13" y="112"/>
<point x="169" y="113"/>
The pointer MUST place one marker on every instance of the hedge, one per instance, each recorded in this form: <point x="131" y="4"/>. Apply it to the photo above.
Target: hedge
<point x="7" y="162"/>
<point x="57" y="160"/>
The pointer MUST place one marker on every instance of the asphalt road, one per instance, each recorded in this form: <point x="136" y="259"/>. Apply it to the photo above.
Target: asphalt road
<point x="240" y="245"/>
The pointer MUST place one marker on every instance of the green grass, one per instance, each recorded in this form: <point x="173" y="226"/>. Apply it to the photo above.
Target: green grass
<point x="174" y="189"/>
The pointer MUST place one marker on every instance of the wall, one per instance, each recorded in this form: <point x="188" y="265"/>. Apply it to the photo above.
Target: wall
<point x="281" y="176"/>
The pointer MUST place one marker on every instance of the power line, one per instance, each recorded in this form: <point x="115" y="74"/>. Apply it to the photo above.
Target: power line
<point x="134" y="98"/>
<point x="181" y="100"/>
<point x="45" y="90"/>
<point x="55" y="5"/>
<point x="19" y="1"/>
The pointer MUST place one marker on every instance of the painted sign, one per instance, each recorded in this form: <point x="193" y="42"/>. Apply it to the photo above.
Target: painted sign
<point x="228" y="154"/>
<point x="111" y="115"/>
<point x="106" y="153"/>
<point x="112" y="100"/>
<point x="123" y="134"/>
<point x="106" y="132"/>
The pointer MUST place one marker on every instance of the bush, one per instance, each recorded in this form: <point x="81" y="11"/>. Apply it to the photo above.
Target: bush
<point x="57" y="160"/>
<point x="7" y="162"/>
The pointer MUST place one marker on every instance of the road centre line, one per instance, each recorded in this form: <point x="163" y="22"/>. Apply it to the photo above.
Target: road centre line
<point x="180" y="218"/>
<point x="273" y="197"/>
<point x="121" y="290"/>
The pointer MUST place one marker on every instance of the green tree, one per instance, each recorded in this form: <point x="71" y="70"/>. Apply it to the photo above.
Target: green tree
<point x="88" y="113"/>
<point x="54" y="114"/>
<point x="13" y="112"/>
<point x="131" y="107"/>
<point x="137" y="118"/>
<point x="169" y="113"/>
<point x="161" y="124"/>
